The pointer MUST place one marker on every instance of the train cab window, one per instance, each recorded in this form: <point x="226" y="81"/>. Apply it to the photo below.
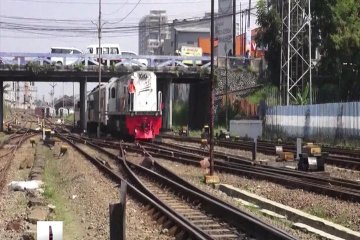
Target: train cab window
<point x="105" y="50"/>
<point x="109" y="93"/>
<point x="114" y="50"/>
<point x="113" y="92"/>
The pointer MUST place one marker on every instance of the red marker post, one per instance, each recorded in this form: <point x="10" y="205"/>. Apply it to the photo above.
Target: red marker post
<point x="50" y="233"/>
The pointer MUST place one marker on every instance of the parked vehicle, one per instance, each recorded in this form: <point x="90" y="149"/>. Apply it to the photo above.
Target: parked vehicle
<point x="123" y="58"/>
<point x="65" y="60"/>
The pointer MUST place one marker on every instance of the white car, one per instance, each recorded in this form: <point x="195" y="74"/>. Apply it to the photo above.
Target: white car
<point x="129" y="54"/>
<point x="65" y="50"/>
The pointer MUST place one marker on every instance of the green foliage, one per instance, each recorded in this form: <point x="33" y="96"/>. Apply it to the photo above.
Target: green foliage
<point x="302" y="98"/>
<point x="79" y="67"/>
<point x="336" y="33"/>
<point x="37" y="69"/>
<point x="221" y="114"/>
<point x="180" y="113"/>
<point x="12" y="67"/>
<point x="268" y="93"/>
<point x="270" y="35"/>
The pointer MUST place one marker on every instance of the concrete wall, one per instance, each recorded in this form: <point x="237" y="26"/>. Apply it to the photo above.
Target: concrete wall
<point x="246" y="128"/>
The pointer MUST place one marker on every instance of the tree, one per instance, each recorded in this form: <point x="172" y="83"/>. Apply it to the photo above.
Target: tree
<point x="336" y="33"/>
<point x="269" y="35"/>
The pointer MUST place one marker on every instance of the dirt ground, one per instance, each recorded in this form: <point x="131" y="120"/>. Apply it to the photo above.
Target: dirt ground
<point x="13" y="204"/>
<point x="81" y="195"/>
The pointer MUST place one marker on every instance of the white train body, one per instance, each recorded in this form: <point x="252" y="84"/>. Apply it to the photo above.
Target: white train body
<point x="141" y="122"/>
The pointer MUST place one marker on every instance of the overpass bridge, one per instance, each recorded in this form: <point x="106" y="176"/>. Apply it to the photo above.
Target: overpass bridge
<point x="37" y="67"/>
<point x="83" y="68"/>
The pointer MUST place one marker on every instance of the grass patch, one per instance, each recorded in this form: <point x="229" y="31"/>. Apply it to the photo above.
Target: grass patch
<point x="54" y="192"/>
<point x="318" y="211"/>
<point x="69" y="118"/>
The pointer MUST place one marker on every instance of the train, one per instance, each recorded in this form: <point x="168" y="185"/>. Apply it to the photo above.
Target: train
<point x="141" y="122"/>
<point x="44" y="112"/>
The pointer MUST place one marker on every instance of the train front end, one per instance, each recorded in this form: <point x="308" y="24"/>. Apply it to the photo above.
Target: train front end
<point x="144" y="118"/>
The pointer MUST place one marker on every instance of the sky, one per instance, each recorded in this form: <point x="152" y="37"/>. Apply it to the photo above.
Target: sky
<point x="69" y="17"/>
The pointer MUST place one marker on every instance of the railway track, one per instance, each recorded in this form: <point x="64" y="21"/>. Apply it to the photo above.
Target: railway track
<point x="314" y="182"/>
<point x="347" y="158"/>
<point x="15" y="140"/>
<point x="195" y="213"/>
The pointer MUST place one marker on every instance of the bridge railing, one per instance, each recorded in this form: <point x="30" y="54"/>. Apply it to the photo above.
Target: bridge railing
<point x="90" y="62"/>
<point x="22" y="58"/>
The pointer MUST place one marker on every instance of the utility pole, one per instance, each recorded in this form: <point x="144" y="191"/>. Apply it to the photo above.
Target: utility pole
<point x="245" y="12"/>
<point x="158" y="49"/>
<point x="226" y="90"/>
<point x="63" y="100"/>
<point x="249" y="14"/>
<point x="211" y="153"/>
<point x="241" y="31"/>
<point x="234" y="28"/>
<point x="100" y="50"/>
<point x="52" y="93"/>
<point x="74" y="102"/>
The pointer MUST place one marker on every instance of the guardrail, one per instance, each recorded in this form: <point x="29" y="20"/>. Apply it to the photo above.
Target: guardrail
<point x="146" y="61"/>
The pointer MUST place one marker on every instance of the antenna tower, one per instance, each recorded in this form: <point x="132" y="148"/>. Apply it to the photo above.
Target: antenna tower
<point x="296" y="66"/>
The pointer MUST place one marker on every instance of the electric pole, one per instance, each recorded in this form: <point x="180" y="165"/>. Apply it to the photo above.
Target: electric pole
<point x="74" y="102"/>
<point x="63" y="101"/>
<point x="100" y="51"/>
<point x="249" y="14"/>
<point x="52" y="93"/>
<point x="211" y="153"/>
<point x="234" y="28"/>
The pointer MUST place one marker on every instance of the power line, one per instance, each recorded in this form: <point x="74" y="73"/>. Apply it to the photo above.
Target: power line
<point x="110" y="3"/>
<point x="131" y="11"/>
<point x="78" y="31"/>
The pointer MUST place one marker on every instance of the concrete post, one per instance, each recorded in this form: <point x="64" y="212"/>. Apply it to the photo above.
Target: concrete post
<point x="167" y="89"/>
<point x="298" y="147"/>
<point x="1" y="106"/>
<point x="83" y="104"/>
<point x="254" y="150"/>
<point x="170" y="104"/>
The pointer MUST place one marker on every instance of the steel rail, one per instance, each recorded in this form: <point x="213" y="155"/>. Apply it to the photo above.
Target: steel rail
<point x="336" y="192"/>
<point x="347" y="158"/>
<point x="235" y="216"/>
<point x="232" y="161"/>
<point x="139" y="193"/>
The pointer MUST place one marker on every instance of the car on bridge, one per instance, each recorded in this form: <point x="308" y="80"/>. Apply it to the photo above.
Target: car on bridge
<point x="65" y="60"/>
<point x="124" y="58"/>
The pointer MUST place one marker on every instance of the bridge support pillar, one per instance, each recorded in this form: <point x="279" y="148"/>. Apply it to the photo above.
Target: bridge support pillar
<point x="167" y="89"/>
<point x="199" y="106"/>
<point x="83" y="104"/>
<point x="1" y="106"/>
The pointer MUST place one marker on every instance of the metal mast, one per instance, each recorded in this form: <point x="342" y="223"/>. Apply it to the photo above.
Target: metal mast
<point x="296" y="49"/>
<point x="100" y="51"/>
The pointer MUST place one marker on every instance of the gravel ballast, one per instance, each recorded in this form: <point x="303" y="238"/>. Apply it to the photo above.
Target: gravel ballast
<point x="344" y="213"/>
<point x="95" y="192"/>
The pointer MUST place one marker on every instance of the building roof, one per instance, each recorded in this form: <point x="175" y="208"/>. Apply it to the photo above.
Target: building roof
<point x="192" y="29"/>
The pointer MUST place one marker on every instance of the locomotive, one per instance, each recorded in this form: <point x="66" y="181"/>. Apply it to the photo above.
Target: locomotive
<point x="139" y="117"/>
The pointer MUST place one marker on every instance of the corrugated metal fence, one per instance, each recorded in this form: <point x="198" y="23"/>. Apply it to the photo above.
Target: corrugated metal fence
<point x="321" y="121"/>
